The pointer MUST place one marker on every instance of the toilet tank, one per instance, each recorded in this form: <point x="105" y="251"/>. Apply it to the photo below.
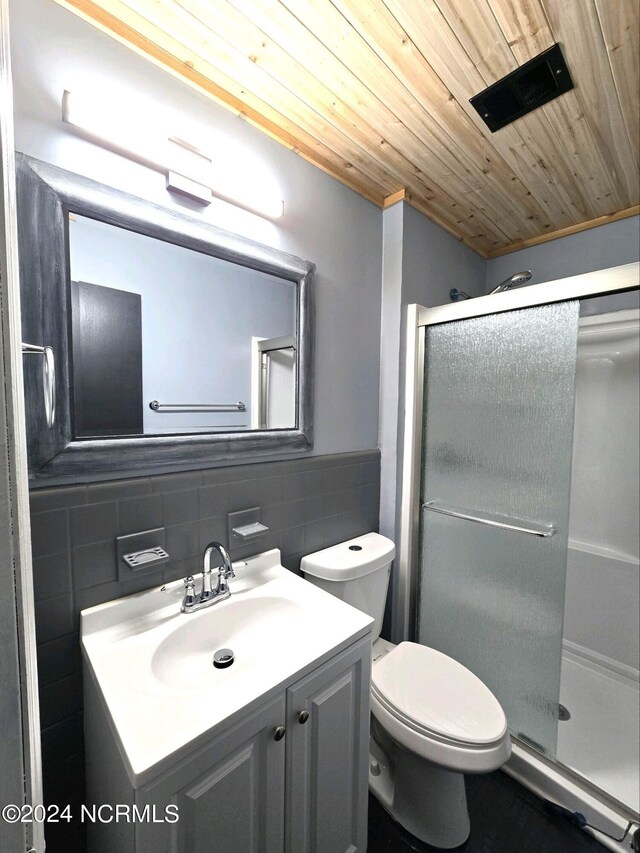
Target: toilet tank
<point x="357" y="571"/>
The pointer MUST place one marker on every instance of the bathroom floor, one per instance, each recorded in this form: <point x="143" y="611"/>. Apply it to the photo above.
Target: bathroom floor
<point x="505" y="818"/>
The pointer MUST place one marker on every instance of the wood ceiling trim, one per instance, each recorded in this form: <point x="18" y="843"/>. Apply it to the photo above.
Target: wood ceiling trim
<point x="390" y="200"/>
<point x="260" y="115"/>
<point x="566" y="232"/>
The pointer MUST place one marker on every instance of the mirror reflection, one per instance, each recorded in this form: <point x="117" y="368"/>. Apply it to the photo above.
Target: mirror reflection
<point x="168" y="340"/>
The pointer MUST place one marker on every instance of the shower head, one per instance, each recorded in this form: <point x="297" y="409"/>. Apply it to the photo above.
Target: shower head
<point x="515" y="280"/>
<point x="518" y="279"/>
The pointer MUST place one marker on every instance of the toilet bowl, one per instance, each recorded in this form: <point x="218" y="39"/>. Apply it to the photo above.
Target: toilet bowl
<point x="432" y="719"/>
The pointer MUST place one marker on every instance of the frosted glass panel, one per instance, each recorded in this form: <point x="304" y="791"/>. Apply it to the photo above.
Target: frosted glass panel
<point x="498" y="426"/>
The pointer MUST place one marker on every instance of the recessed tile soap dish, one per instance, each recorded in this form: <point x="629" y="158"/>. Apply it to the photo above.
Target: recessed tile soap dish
<point x="140" y="553"/>
<point x="143" y="558"/>
<point x="244" y="526"/>
<point x="249" y="531"/>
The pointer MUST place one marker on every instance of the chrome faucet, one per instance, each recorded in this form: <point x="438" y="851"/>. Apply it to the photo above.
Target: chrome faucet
<point x="191" y="601"/>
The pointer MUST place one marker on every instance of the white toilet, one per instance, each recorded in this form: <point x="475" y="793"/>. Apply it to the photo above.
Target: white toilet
<point x="433" y="720"/>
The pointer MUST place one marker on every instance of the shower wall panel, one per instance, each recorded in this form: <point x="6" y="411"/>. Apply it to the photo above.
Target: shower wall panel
<point x="602" y="620"/>
<point x="604" y="490"/>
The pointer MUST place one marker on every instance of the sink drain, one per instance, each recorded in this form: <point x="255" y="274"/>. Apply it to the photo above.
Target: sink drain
<point x="223" y="658"/>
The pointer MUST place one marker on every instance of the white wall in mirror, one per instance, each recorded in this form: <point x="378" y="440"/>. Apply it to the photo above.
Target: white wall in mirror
<point x="199" y="316"/>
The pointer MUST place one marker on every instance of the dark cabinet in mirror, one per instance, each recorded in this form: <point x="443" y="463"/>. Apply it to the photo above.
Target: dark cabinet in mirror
<point x="175" y="342"/>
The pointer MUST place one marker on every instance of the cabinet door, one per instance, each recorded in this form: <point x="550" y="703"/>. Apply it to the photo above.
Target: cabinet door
<point x="327" y="756"/>
<point x="230" y="798"/>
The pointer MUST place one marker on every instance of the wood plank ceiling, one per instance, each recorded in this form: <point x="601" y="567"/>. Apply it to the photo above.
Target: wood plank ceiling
<point x="376" y="93"/>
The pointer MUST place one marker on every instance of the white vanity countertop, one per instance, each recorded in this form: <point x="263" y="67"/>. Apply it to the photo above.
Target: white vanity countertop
<point x="154" y="664"/>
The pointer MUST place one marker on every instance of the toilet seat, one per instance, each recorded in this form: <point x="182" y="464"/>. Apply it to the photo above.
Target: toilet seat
<point x="437" y="708"/>
<point x="437" y="696"/>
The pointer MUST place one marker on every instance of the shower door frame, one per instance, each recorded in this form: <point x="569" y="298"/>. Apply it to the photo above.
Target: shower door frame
<point x="418" y="317"/>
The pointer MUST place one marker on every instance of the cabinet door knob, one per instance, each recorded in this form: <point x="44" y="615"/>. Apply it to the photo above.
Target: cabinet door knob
<point x="278" y="732"/>
<point x="303" y="716"/>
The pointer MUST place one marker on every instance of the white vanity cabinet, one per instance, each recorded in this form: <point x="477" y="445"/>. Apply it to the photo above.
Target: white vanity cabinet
<point x="254" y="788"/>
<point x="266" y="755"/>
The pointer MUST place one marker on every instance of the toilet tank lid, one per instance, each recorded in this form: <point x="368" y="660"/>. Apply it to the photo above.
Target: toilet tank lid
<point x="351" y="559"/>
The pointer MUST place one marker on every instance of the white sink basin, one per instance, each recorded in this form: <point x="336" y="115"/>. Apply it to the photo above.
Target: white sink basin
<point x="154" y="665"/>
<point x="255" y="628"/>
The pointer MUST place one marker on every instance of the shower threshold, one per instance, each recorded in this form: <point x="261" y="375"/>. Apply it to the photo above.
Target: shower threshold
<point x="553" y="781"/>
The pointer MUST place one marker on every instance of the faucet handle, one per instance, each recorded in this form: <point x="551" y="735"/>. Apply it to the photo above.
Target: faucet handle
<point x="225" y="569"/>
<point x="189" y="592"/>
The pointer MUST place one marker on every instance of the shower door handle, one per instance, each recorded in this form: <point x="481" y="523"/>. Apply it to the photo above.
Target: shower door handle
<point x="48" y="378"/>
<point x="511" y="524"/>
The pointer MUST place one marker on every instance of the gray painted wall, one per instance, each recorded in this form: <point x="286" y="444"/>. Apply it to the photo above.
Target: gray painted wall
<point x="433" y="262"/>
<point x="596" y="249"/>
<point x="199" y="315"/>
<point x="421" y="263"/>
<point x="324" y="221"/>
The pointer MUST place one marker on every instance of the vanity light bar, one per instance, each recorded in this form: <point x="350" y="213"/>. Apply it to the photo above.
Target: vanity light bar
<point x="186" y="168"/>
<point x="265" y="208"/>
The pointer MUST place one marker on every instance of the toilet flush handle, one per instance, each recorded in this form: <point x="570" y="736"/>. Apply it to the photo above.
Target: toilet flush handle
<point x="303" y="716"/>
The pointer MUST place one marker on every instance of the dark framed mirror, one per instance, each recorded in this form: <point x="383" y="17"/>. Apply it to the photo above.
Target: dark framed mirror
<point x="175" y="343"/>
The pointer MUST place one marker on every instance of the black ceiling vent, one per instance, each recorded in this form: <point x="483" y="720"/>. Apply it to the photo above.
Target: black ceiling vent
<point x="535" y="83"/>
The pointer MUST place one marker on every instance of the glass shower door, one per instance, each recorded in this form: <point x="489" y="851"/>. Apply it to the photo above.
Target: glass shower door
<point x="496" y="469"/>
